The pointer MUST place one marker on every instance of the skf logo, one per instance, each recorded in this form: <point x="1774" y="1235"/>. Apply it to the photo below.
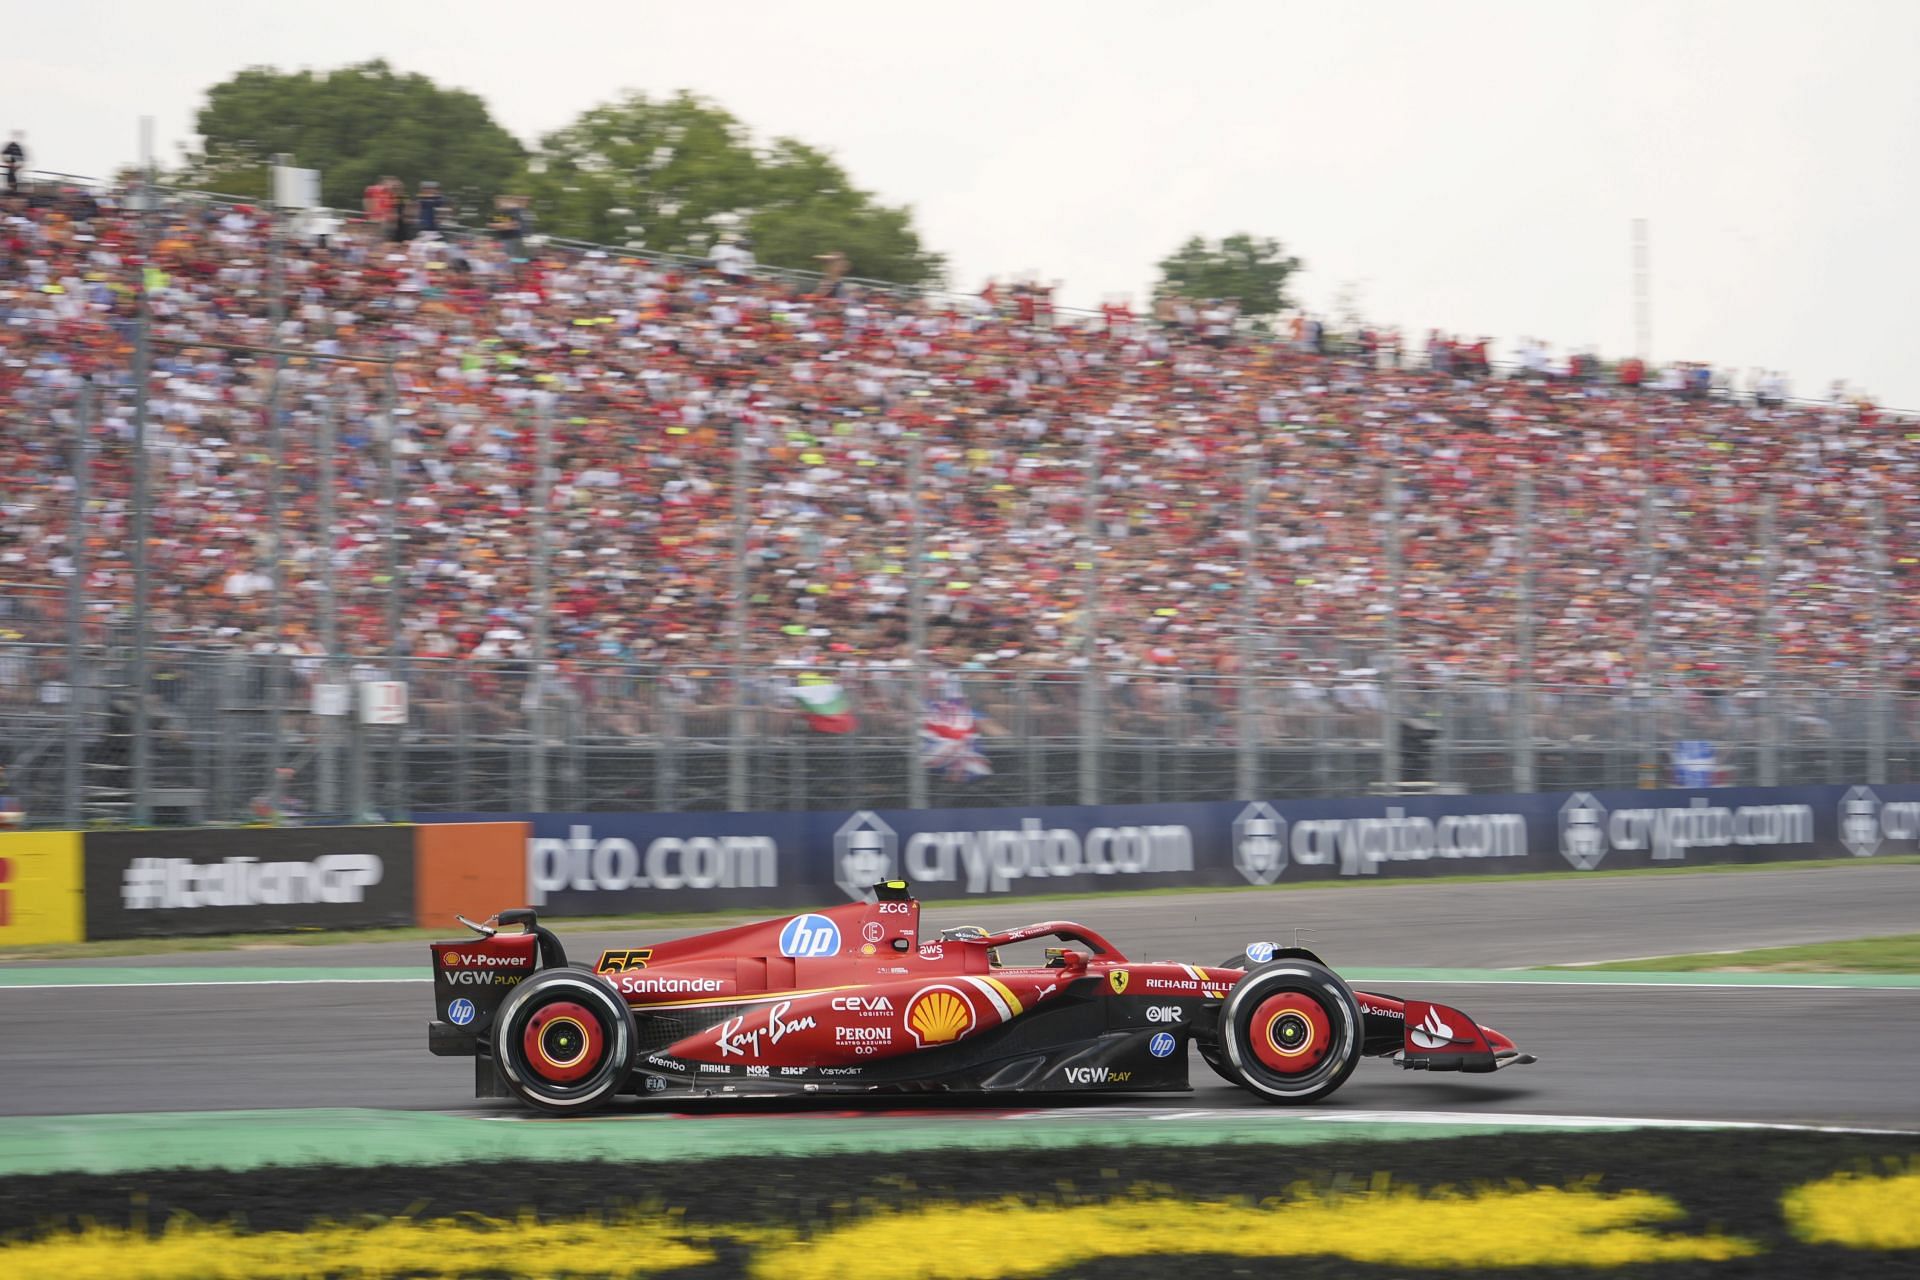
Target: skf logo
<point x="6" y="898"/>
<point x="1118" y="980"/>
<point x="621" y="961"/>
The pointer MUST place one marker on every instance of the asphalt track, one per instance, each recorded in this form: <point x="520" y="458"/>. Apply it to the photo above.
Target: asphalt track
<point x="1827" y="1055"/>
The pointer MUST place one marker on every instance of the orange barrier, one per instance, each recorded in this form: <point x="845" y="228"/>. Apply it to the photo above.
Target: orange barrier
<point x="469" y="868"/>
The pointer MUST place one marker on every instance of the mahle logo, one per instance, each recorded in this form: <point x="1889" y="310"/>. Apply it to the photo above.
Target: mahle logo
<point x="1583" y="831"/>
<point x="864" y="851"/>
<point x="1260" y="843"/>
<point x="1860" y="822"/>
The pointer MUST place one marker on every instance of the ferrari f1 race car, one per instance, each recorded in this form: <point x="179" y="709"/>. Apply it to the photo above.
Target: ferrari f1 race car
<point x="853" y="1000"/>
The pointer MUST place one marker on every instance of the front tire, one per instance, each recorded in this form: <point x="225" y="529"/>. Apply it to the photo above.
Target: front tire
<point x="1290" y="1032"/>
<point x="563" y="1041"/>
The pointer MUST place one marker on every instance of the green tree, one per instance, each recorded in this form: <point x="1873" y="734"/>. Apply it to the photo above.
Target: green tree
<point x="672" y="174"/>
<point x="355" y="125"/>
<point x="1248" y="269"/>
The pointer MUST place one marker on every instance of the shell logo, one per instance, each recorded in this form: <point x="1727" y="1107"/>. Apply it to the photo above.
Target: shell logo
<point x="938" y="1015"/>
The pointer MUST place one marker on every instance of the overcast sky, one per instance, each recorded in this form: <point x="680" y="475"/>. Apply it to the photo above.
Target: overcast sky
<point x="1470" y="166"/>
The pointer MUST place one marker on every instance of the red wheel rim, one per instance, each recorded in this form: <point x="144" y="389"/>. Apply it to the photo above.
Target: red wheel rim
<point x="563" y="1042"/>
<point x="1290" y="1033"/>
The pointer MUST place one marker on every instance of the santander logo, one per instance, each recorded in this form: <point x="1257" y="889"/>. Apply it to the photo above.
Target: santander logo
<point x="1432" y="1033"/>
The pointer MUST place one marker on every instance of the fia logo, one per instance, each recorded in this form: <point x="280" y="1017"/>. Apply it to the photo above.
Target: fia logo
<point x="809" y="937"/>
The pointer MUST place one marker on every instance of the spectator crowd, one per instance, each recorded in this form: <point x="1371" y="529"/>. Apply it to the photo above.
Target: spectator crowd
<point x="651" y="370"/>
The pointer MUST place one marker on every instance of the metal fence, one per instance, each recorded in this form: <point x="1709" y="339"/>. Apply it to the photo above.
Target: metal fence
<point x="622" y="737"/>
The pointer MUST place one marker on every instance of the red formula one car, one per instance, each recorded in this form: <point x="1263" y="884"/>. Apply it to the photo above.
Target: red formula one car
<point x="853" y="1000"/>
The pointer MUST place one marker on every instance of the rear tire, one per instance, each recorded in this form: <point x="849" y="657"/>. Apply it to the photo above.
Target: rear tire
<point x="563" y="1041"/>
<point x="1290" y="1032"/>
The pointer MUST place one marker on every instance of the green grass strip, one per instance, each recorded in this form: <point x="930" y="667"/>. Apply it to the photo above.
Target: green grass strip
<point x="364" y="1137"/>
<point x="1899" y="954"/>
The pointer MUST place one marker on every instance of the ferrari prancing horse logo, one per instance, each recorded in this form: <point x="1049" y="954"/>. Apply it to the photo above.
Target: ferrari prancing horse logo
<point x="1119" y="980"/>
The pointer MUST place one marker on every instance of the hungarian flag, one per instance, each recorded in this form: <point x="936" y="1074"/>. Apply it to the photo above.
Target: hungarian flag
<point x="949" y="740"/>
<point x="825" y="705"/>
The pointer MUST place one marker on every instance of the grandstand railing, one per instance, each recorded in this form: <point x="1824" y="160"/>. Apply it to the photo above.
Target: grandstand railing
<point x="626" y="736"/>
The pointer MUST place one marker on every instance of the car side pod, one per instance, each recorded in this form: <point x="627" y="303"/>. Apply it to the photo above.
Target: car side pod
<point x="1442" y="1039"/>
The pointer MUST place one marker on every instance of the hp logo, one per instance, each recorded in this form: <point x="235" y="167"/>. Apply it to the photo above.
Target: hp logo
<point x="809" y="937"/>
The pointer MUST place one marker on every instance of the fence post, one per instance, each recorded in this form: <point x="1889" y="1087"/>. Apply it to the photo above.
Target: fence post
<point x="1390" y="660"/>
<point x="1649" y="658"/>
<point x="738" y="795"/>
<point x="1090" y="739"/>
<point x="542" y="603"/>
<point x="276" y="533"/>
<point x="141" y="811"/>
<point x="1877" y="708"/>
<point x="1769" y="697"/>
<point x="1247" y="754"/>
<point x="396" y="640"/>
<point x="1524" y="774"/>
<point x="916" y="625"/>
<point x="330" y="726"/>
<point x="75" y="752"/>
